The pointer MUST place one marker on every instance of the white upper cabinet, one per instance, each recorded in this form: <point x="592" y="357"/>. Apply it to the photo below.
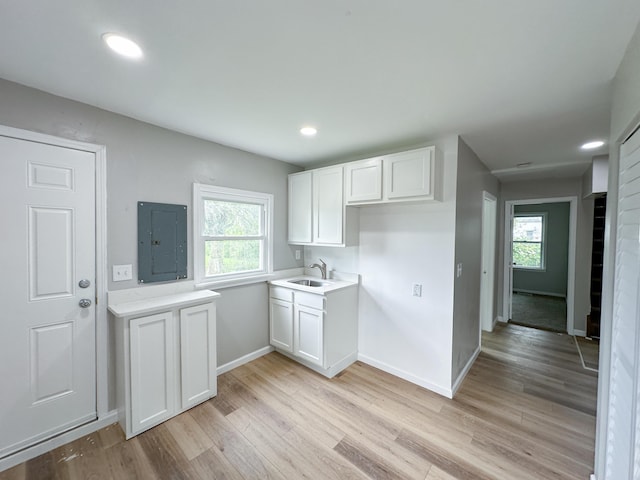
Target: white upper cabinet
<point x="300" y="205"/>
<point x="364" y="181"/>
<point x="404" y="176"/>
<point x="317" y="208"/>
<point x="409" y="174"/>
<point x="328" y="206"/>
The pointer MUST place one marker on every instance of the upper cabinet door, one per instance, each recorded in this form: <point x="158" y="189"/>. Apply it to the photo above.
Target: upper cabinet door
<point x="409" y="174"/>
<point x="328" y="206"/>
<point x="363" y="181"/>
<point x="300" y="203"/>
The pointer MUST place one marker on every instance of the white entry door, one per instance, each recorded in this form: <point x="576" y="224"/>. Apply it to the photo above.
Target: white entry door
<point x="47" y="325"/>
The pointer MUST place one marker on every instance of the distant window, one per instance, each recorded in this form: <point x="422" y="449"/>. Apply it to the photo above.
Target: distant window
<point x="232" y="234"/>
<point x="528" y="241"/>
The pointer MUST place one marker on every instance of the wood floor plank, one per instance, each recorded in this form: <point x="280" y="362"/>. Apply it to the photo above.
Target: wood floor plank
<point x="165" y="455"/>
<point x="127" y="461"/>
<point x="299" y="412"/>
<point x="189" y="436"/>
<point x="292" y="458"/>
<point x="367" y="461"/>
<point x="234" y="446"/>
<point x="213" y="464"/>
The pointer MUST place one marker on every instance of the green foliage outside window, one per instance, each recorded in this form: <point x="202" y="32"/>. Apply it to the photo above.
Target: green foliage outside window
<point x="239" y="242"/>
<point x="527" y="255"/>
<point x="528" y="236"/>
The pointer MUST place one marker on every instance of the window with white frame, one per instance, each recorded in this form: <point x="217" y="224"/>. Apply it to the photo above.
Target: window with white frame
<point x="232" y="234"/>
<point x="528" y="241"/>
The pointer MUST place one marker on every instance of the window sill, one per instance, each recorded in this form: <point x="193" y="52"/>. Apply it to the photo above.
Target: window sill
<point x="235" y="282"/>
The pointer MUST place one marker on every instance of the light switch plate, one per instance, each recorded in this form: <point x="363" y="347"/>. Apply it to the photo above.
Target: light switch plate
<point x="297" y="254"/>
<point x="417" y="290"/>
<point x="122" y="272"/>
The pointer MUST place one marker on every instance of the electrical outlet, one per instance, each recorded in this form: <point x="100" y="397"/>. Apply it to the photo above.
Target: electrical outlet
<point x="417" y="290"/>
<point x="122" y="272"/>
<point x="297" y="254"/>
<point x="459" y="270"/>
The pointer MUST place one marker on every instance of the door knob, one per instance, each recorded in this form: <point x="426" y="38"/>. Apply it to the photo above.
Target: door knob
<point x="85" y="303"/>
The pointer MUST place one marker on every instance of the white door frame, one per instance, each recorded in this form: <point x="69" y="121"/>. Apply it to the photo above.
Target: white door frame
<point x="488" y="239"/>
<point x="571" y="269"/>
<point x="105" y="417"/>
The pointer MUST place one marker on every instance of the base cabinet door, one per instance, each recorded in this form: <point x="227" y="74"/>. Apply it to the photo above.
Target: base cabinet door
<point x="152" y="370"/>
<point x="197" y="354"/>
<point x="281" y="327"/>
<point x="308" y="341"/>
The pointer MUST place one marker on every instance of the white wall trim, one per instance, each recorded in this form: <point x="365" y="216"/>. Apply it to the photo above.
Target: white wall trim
<point x="579" y="333"/>
<point x="445" y="392"/>
<point x="465" y="370"/>
<point x="537" y="292"/>
<point x="109" y="418"/>
<point x="499" y="318"/>
<point x="102" y="347"/>
<point x="244" y="359"/>
<point x="571" y="267"/>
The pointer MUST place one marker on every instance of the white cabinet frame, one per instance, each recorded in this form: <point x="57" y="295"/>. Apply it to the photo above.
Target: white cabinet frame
<point x="165" y="357"/>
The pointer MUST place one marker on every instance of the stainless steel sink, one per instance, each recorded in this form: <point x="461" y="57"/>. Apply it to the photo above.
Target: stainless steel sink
<point x="309" y="283"/>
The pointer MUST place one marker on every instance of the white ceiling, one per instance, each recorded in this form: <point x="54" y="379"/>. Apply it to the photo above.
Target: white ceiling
<point x="521" y="81"/>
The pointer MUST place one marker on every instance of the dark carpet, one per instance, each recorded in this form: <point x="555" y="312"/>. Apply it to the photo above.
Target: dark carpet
<point x="539" y="311"/>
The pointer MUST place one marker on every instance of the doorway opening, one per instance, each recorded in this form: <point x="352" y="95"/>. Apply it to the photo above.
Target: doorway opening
<point x="539" y="263"/>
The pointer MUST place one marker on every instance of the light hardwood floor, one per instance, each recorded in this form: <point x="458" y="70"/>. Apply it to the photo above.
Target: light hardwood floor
<point x="525" y="411"/>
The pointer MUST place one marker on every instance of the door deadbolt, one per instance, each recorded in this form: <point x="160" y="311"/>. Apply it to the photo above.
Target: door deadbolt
<point x="84" y="283"/>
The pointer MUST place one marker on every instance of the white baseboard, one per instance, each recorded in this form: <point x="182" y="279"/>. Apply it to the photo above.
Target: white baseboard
<point x="592" y="477"/>
<point x="465" y="370"/>
<point x="244" y="359"/>
<point x="499" y="318"/>
<point x="579" y="333"/>
<point x="59" y="440"/>
<point x="445" y="392"/>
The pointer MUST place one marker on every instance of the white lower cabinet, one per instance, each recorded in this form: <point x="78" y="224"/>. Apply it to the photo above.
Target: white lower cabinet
<point x="317" y="330"/>
<point x="281" y="324"/>
<point x="165" y="357"/>
<point x="197" y="355"/>
<point x="152" y="370"/>
<point x="308" y="323"/>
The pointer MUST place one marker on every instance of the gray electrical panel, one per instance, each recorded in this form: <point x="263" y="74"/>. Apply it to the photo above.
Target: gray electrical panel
<point x="162" y="242"/>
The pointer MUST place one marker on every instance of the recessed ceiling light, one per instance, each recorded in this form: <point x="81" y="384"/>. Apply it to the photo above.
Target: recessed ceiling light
<point x="592" y="145"/>
<point x="122" y="45"/>
<point x="308" y="131"/>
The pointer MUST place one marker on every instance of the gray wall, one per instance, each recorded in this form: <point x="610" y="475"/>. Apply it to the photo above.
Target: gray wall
<point x="550" y="188"/>
<point x="553" y="279"/>
<point x="145" y="162"/>
<point x="473" y="178"/>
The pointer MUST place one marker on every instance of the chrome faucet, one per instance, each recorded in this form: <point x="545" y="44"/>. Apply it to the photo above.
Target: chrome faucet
<point x="323" y="268"/>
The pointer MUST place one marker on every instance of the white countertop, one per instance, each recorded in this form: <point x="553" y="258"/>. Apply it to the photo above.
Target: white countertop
<point x="164" y="302"/>
<point x="333" y="284"/>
